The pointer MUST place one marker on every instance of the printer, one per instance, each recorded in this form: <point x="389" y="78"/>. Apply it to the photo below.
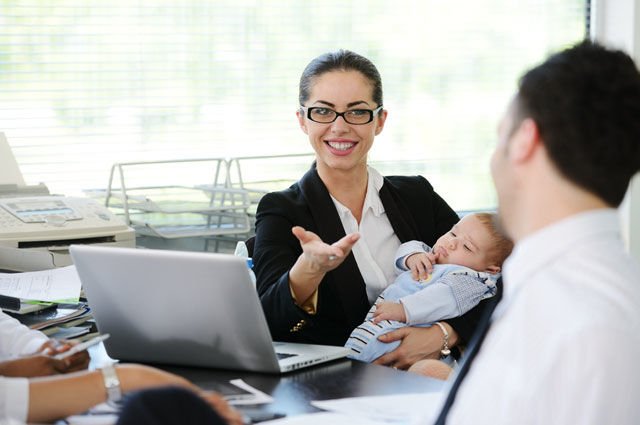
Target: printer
<point x="36" y="228"/>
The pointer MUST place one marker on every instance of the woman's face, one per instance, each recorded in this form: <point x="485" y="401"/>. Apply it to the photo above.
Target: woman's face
<point x="340" y="145"/>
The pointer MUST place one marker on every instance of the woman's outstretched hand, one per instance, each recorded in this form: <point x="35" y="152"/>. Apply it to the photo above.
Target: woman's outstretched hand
<point x="320" y="256"/>
<point x="316" y="260"/>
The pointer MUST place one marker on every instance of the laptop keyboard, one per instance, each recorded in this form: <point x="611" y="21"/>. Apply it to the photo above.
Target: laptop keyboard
<point x="281" y="356"/>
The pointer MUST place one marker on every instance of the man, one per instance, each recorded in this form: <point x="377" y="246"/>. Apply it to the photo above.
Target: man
<point x="564" y="343"/>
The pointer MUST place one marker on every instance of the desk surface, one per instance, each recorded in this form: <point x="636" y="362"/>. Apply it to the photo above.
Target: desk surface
<point x="292" y="392"/>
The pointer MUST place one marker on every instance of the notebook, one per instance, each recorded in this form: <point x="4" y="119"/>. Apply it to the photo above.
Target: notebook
<point x="185" y="308"/>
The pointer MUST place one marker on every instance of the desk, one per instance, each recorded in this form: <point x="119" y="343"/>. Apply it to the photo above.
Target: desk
<point x="293" y="391"/>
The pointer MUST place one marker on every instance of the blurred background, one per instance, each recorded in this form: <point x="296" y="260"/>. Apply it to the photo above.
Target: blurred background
<point x="86" y="83"/>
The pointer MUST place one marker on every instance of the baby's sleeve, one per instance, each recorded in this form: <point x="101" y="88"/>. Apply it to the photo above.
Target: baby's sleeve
<point x="450" y="296"/>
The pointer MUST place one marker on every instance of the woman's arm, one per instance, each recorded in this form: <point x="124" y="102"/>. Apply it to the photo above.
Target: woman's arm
<point x="417" y="344"/>
<point x="57" y="397"/>
<point x="425" y="343"/>
<point x="276" y="250"/>
<point x="43" y="365"/>
<point x="290" y="263"/>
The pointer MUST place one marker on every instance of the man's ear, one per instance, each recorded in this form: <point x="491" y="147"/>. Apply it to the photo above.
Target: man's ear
<point x="525" y="141"/>
<point x="493" y="269"/>
<point x="301" y="121"/>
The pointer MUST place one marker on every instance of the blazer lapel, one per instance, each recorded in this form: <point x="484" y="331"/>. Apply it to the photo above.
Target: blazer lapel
<point x="403" y="224"/>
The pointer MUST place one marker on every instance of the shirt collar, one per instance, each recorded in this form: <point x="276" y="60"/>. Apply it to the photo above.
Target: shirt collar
<point x="540" y="249"/>
<point x="372" y="198"/>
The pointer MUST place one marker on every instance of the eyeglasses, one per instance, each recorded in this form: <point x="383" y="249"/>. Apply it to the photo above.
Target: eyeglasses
<point x="352" y="116"/>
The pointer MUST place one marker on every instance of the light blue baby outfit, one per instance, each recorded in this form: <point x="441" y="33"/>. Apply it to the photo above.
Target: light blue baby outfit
<point x="450" y="291"/>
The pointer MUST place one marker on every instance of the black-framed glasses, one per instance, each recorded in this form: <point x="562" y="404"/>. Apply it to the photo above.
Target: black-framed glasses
<point x="325" y="115"/>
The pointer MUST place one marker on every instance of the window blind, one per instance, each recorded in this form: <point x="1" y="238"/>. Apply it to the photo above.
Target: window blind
<point x="87" y="83"/>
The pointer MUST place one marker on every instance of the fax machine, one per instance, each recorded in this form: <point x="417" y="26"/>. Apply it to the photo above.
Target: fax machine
<point x="36" y="228"/>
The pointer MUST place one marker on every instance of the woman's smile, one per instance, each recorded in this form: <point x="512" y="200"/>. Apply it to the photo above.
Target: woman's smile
<point x="341" y="147"/>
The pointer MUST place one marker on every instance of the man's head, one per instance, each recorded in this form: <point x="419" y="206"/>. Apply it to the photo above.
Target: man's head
<point x="580" y="111"/>
<point x="474" y="242"/>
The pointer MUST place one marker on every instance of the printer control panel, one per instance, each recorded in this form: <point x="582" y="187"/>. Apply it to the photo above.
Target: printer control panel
<point x="41" y="210"/>
<point x="59" y="216"/>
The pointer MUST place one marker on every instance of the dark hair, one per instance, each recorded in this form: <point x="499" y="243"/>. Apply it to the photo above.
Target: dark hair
<point x="343" y="60"/>
<point x="585" y="101"/>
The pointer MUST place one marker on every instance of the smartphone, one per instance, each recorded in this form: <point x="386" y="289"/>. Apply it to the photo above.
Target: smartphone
<point x="81" y="347"/>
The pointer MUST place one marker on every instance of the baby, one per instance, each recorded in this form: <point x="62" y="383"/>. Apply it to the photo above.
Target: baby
<point x="435" y="283"/>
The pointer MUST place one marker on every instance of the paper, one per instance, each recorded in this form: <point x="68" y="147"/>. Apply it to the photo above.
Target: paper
<point x="9" y="170"/>
<point x="55" y="285"/>
<point x="323" y="418"/>
<point x="391" y="409"/>
<point x="247" y="395"/>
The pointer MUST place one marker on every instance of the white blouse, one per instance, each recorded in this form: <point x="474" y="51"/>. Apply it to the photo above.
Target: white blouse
<point x="375" y="251"/>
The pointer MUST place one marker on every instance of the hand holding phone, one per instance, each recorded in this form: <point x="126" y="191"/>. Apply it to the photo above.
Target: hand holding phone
<point x="81" y="347"/>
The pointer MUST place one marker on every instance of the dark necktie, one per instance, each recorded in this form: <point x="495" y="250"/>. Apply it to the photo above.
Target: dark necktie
<point x="470" y="353"/>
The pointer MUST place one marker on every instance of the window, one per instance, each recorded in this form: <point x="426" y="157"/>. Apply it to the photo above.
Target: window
<point x="86" y="83"/>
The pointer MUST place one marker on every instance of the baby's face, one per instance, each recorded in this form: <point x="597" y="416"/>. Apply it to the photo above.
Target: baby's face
<point x="467" y="244"/>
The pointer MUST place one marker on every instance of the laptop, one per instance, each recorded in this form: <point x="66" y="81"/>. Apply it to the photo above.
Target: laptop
<point x="185" y="308"/>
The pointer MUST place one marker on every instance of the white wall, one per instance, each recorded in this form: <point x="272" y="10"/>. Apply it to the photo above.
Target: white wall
<point x="616" y="23"/>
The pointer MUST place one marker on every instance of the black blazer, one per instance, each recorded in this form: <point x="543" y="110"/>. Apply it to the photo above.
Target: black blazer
<point x="415" y="211"/>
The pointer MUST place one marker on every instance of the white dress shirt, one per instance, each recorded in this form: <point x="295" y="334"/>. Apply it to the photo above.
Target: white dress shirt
<point x="564" y="345"/>
<point x="16" y="339"/>
<point x="375" y="251"/>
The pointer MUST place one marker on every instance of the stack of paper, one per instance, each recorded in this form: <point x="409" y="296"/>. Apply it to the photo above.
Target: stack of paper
<point x="65" y="322"/>
<point x="51" y="296"/>
<point x="55" y="285"/>
<point x="23" y="293"/>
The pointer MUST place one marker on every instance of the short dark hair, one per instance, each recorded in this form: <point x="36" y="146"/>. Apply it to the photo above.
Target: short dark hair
<point x="585" y="101"/>
<point x="343" y="60"/>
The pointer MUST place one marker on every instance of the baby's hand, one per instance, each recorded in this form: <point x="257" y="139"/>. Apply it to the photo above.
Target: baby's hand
<point x="389" y="311"/>
<point x="421" y="264"/>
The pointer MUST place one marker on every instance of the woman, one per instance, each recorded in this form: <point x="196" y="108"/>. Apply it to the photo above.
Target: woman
<point x="317" y="292"/>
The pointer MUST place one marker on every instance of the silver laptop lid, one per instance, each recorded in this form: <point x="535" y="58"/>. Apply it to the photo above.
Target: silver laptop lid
<point x="172" y="307"/>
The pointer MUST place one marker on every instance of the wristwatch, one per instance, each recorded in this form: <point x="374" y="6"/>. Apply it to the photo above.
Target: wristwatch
<point x="111" y="383"/>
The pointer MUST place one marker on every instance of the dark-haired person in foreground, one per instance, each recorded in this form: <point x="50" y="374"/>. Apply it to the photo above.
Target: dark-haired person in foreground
<point x="564" y="342"/>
